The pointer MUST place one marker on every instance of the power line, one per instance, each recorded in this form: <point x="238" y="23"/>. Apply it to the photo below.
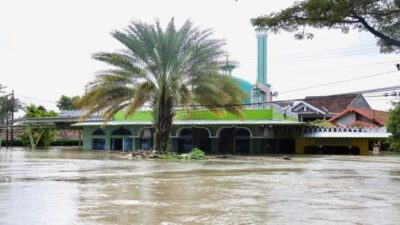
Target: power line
<point x="327" y="69"/>
<point x="291" y="100"/>
<point x="288" y="91"/>
<point x="322" y="58"/>
<point x="327" y="50"/>
<point x="377" y="63"/>
<point x="35" y="98"/>
<point x="337" y="82"/>
<point x="316" y="57"/>
<point x="391" y="88"/>
<point x="355" y="51"/>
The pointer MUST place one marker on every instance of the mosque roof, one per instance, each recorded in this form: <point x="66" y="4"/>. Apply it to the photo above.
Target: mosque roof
<point x="247" y="114"/>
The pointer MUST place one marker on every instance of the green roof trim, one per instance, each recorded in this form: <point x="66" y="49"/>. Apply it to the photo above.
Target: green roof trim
<point x="140" y="115"/>
<point x="207" y="115"/>
<point x="249" y="114"/>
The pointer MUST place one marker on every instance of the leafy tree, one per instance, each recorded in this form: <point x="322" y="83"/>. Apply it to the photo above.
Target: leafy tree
<point x="164" y="69"/>
<point x="379" y="17"/>
<point x="393" y="126"/>
<point x="67" y="103"/>
<point x="7" y="105"/>
<point x="47" y="136"/>
<point x="33" y="111"/>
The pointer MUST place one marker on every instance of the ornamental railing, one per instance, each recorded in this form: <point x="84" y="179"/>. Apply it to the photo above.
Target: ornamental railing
<point x="347" y="130"/>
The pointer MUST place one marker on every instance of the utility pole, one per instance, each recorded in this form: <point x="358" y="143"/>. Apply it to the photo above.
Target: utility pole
<point x="7" y="142"/>
<point x="1" y="109"/>
<point x="12" y="118"/>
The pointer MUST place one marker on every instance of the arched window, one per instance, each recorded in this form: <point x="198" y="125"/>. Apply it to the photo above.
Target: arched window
<point x="146" y="133"/>
<point x="98" y="143"/>
<point x="186" y="132"/>
<point x="121" y="131"/>
<point x="99" y="132"/>
<point x="242" y="141"/>
<point x="204" y="141"/>
<point x="241" y="132"/>
<point x="203" y="133"/>
<point x="185" y="143"/>
<point x="145" y="139"/>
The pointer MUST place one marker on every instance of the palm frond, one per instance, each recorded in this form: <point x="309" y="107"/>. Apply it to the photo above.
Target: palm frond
<point x="165" y="68"/>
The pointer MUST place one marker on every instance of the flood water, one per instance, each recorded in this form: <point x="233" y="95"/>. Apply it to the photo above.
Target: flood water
<point x="73" y="187"/>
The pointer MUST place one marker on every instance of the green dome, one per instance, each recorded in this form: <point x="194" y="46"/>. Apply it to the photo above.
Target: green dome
<point x="245" y="86"/>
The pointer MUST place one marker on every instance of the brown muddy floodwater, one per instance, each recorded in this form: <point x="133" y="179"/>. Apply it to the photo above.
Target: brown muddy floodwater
<point x="60" y="187"/>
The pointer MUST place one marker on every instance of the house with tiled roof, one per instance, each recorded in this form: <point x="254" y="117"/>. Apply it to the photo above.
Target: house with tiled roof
<point x="325" y="107"/>
<point x="357" y="117"/>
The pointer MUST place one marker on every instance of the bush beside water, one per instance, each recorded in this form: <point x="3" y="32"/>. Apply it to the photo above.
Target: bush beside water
<point x="195" y="154"/>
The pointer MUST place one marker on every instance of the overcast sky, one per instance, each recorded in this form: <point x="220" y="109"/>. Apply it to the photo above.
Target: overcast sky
<point x="46" y="46"/>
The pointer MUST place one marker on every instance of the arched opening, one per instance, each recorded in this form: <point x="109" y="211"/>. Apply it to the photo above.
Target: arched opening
<point x="242" y="141"/>
<point x="332" y="150"/>
<point x="98" y="140"/>
<point x="204" y="141"/>
<point x="146" y="139"/>
<point x="98" y="132"/>
<point x="121" y="131"/>
<point x="226" y="141"/>
<point x="185" y="140"/>
<point x="234" y="140"/>
<point x="189" y="138"/>
<point x="121" y="140"/>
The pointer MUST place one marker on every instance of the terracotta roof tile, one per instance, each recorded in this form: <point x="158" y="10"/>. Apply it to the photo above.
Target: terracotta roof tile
<point x="333" y="103"/>
<point x="377" y="116"/>
<point x="362" y="124"/>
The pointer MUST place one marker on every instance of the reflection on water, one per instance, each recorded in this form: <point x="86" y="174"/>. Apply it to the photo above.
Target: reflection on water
<point x="73" y="187"/>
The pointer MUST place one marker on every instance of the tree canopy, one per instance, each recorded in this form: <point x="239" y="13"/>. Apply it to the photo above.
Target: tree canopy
<point x="67" y="103"/>
<point x="393" y="126"/>
<point x="33" y="111"/>
<point x="44" y="136"/>
<point x="379" y="17"/>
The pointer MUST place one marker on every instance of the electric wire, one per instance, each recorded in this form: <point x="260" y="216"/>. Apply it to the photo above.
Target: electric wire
<point x="326" y="50"/>
<point x="333" y="54"/>
<point x="321" y="58"/>
<point x="337" y="82"/>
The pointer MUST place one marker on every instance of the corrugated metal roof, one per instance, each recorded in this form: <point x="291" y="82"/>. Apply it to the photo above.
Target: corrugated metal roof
<point x="195" y="122"/>
<point x="59" y="119"/>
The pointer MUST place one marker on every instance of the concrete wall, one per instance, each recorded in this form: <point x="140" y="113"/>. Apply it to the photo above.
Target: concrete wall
<point x="346" y="119"/>
<point x="362" y="144"/>
<point x="360" y="102"/>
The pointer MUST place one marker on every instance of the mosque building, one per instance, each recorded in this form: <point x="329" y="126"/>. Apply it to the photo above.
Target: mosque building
<point x="265" y="128"/>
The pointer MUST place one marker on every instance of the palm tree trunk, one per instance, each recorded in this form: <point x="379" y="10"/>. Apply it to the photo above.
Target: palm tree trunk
<point x="163" y="116"/>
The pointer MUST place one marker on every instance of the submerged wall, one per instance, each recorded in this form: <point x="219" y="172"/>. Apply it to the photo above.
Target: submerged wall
<point x="224" y="139"/>
<point x="303" y="143"/>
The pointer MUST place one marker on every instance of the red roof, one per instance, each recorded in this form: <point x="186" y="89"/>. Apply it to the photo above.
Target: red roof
<point x="378" y="117"/>
<point x="362" y="124"/>
<point x="333" y="103"/>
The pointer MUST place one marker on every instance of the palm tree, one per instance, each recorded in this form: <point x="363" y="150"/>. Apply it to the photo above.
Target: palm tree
<point x="164" y="69"/>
